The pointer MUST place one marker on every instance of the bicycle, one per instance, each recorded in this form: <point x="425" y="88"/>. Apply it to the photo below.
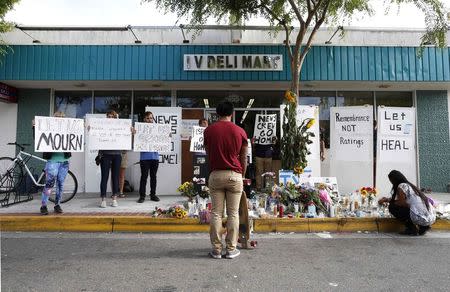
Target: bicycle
<point x="12" y="178"/>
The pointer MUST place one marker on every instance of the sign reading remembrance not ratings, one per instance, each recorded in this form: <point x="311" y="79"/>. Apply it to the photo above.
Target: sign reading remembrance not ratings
<point x="109" y="134"/>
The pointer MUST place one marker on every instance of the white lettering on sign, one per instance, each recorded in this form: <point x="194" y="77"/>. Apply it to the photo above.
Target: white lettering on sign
<point x="228" y="62"/>
<point x="58" y="134"/>
<point x="265" y="129"/>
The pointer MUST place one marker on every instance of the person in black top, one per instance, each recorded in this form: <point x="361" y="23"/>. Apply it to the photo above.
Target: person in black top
<point x="263" y="158"/>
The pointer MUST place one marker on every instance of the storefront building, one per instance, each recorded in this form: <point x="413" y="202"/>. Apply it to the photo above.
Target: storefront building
<point x="91" y="70"/>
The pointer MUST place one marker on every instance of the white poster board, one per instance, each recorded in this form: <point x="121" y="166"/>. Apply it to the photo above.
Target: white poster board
<point x="109" y="134"/>
<point x="53" y="134"/>
<point x="308" y="112"/>
<point x="197" y="140"/>
<point x="265" y="129"/>
<point x="186" y="128"/>
<point x="151" y="137"/>
<point x="92" y="173"/>
<point x="396" y="145"/>
<point x="351" y="146"/>
<point x="169" y="171"/>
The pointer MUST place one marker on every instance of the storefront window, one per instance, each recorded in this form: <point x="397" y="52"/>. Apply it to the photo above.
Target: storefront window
<point x="240" y="99"/>
<point x="394" y="98"/>
<point x="149" y="98"/>
<point x="120" y="101"/>
<point x="353" y="98"/>
<point x="75" y="104"/>
<point x="324" y="100"/>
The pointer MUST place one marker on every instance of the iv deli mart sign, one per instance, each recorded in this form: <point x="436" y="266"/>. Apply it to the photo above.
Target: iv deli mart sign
<point x="228" y="62"/>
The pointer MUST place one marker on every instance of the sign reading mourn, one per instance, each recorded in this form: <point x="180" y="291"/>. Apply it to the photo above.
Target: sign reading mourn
<point x="152" y="137"/>
<point x="265" y="129"/>
<point x="109" y="134"/>
<point x="58" y="134"/>
<point x="197" y="142"/>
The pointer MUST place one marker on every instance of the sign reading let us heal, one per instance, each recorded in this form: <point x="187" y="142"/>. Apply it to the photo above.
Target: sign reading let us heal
<point x="109" y="134"/>
<point x="152" y="137"/>
<point x="58" y="134"/>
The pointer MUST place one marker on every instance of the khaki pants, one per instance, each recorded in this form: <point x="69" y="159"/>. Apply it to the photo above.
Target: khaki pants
<point x="263" y="165"/>
<point x="225" y="185"/>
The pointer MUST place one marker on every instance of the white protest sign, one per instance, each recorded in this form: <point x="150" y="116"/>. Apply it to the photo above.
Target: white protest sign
<point x="186" y="128"/>
<point x="54" y="134"/>
<point x="351" y="146"/>
<point x="152" y="137"/>
<point x="396" y="144"/>
<point x="109" y="134"/>
<point x="352" y="133"/>
<point x="197" y="142"/>
<point x="308" y="112"/>
<point x="265" y="129"/>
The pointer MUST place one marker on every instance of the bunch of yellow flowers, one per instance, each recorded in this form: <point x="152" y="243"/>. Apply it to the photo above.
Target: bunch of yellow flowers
<point x="179" y="213"/>
<point x="187" y="189"/>
<point x="290" y="96"/>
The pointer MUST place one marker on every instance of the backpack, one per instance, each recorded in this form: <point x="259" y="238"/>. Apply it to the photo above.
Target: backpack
<point x="127" y="187"/>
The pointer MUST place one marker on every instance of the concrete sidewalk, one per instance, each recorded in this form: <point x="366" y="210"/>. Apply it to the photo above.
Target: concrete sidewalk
<point x="84" y="214"/>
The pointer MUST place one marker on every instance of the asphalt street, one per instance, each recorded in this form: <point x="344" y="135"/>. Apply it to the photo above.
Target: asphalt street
<point x="179" y="262"/>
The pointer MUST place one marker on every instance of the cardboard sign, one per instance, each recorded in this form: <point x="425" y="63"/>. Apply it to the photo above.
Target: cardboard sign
<point x="197" y="141"/>
<point x="58" y="134"/>
<point x="109" y="134"/>
<point x="152" y="137"/>
<point x="265" y="129"/>
<point x="186" y="128"/>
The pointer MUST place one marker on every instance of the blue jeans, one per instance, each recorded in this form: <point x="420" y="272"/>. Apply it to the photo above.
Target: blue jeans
<point x="110" y="161"/>
<point x="54" y="172"/>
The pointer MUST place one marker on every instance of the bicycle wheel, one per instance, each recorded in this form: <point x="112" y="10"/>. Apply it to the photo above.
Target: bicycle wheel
<point x="69" y="190"/>
<point x="11" y="175"/>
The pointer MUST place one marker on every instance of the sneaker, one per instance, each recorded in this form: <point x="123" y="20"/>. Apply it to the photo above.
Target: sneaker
<point x="154" y="198"/>
<point x="141" y="200"/>
<point x="44" y="210"/>
<point x="58" y="209"/>
<point x="114" y="203"/>
<point x="233" y="254"/>
<point x="215" y="254"/>
<point x="423" y="229"/>
<point x="103" y="204"/>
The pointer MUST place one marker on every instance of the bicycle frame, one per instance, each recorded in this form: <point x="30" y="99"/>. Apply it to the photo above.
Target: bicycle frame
<point x="24" y="162"/>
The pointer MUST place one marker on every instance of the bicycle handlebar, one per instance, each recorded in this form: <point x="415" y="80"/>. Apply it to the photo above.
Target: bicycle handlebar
<point x="21" y="146"/>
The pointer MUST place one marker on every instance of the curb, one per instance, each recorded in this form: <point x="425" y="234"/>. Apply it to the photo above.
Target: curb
<point x="120" y="223"/>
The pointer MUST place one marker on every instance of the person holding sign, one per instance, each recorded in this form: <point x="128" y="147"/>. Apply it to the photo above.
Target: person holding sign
<point x="56" y="169"/>
<point x="409" y="205"/>
<point x="110" y="160"/>
<point x="263" y="157"/>
<point x="149" y="162"/>
<point x="226" y="148"/>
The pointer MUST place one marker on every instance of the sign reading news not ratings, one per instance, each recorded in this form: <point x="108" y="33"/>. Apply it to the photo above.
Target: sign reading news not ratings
<point x="152" y="137"/>
<point x="58" y="134"/>
<point x="265" y="129"/>
<point x="109" y="134"/>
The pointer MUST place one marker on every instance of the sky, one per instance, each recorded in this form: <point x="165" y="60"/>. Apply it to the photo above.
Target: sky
<point x="135" y="13"/>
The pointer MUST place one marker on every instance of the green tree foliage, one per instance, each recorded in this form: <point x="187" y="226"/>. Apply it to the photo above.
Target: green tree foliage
<point x="5" y="26"/>
<point x="309" y="16"/>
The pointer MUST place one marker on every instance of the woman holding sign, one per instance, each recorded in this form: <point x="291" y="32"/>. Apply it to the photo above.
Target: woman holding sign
<point x="409" y="205"/>
<point x="56" y="169"/>
<point x="110" y="160"/>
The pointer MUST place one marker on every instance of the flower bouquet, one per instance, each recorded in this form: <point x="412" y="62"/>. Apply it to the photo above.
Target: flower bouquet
<point x="187" y="189"/>
<point x="368" y="193"/>
<point x="175" y="211"/>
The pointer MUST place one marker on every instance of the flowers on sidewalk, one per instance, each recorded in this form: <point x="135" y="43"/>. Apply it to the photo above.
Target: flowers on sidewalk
<point x="175" y="211"/>
<point x="368" y="193"/>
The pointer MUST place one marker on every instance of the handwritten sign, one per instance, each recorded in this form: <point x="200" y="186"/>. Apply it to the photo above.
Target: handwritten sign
<point x="265" y="129"/>
<point x="396" y="139"/>
<point x="152" y="137"/>
<point x="197" y="142"/>
<point x="352" y="133"/>
<point x="58" y="134"/>
<point x="109" y="134"/>
<point x="186" y="128"/>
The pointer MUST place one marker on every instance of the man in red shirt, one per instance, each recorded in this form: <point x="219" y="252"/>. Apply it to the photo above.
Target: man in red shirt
<point x="226" y="147"/>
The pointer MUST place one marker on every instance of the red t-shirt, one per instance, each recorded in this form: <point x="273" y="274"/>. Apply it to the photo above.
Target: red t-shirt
<point x="223" y="141"/>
